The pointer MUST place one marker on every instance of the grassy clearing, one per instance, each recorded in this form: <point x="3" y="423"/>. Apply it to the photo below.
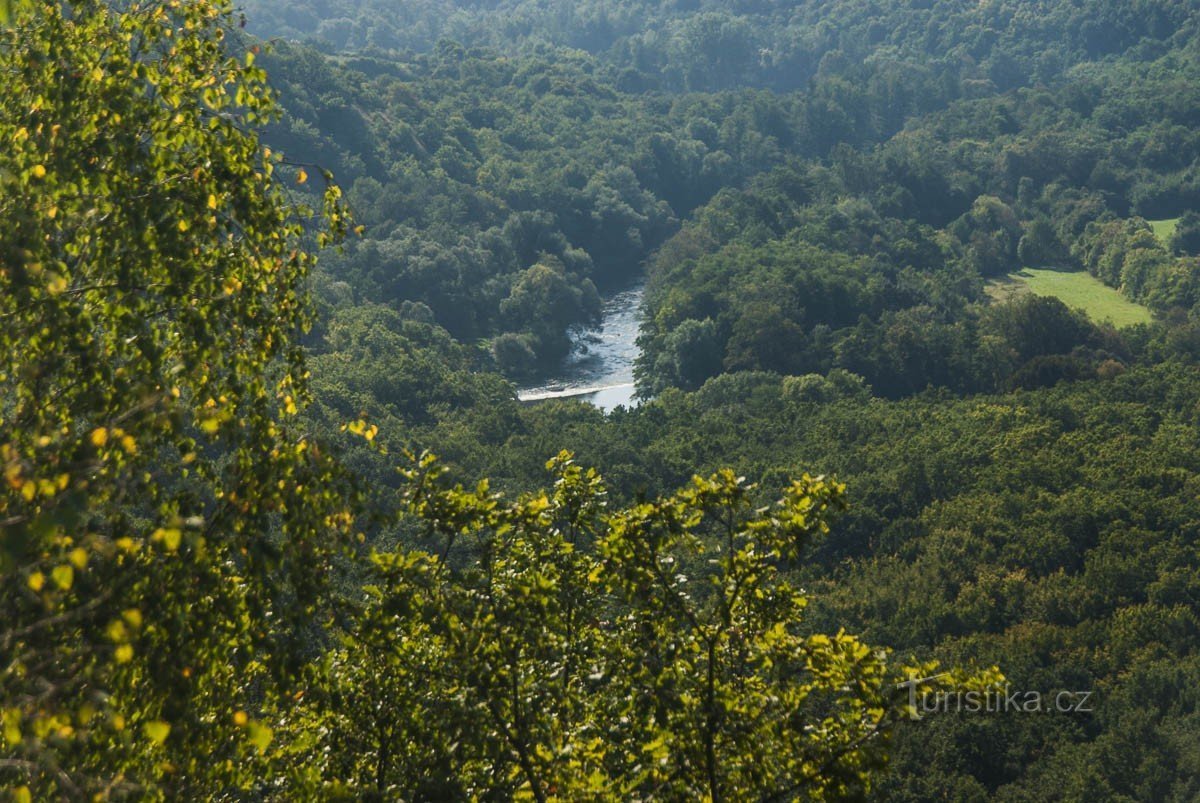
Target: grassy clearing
<point x="1164" y="229"/>
<point x="1076" y="289"/>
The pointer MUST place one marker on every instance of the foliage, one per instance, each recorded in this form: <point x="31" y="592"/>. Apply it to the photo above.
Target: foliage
<point x="551" y="648"/>
<point x="471" y="164"/>
<point x="166" y="526"/>
<point x="1048" y="531"/>
<point x="712" y="45"/>
<point x="818" y="257"/>
<point x="1185" y="239"/>
<point x="818" y="297"/>
<point x="875" y="262"/>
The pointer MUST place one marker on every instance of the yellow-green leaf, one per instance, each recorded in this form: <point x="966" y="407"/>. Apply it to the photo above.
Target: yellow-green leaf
<point x="169" y="536"/>
<point x="259" y="735"/>
<point x="157" y="731"/>
<point x="64" y="576"/>
<point x="12" y="727"/>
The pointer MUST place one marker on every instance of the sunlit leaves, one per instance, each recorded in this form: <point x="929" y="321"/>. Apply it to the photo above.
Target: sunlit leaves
<point x="169" y="537"/>
<point x="260" y="736"/>
<point x="12" y="726"/>
<point x="159" y="527"/>
<point x="63" y="576"/>
<point x="157" y="731"/>
<point x="550" y="647"/>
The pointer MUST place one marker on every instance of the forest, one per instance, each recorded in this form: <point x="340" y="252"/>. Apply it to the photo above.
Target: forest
<point x="917" y="410"/>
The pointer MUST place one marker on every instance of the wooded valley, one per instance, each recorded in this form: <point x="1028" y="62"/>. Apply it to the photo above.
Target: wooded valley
<point x="918" y="407"/>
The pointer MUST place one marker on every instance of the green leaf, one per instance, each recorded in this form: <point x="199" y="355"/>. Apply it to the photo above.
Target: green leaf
<point x="12" y="727"/>
<point x="64" y="576"/>
<point x="157" y="731"/>
<point x="259" y="735"/>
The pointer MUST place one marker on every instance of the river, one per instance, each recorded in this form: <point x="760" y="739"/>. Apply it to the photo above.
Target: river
<point x="599" y="369"/>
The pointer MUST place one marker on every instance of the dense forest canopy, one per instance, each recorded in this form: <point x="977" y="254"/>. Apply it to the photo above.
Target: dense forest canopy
<point x="883" y="393"/>
<point x="714" y="45"/>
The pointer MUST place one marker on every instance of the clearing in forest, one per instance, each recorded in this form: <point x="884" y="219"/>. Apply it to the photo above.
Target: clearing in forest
<point x="1076" y="289"/>
<point x="1164" y="230"/>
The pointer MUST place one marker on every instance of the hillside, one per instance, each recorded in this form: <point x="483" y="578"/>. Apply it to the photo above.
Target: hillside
<point x="882" y="457"/>
<point x="846" y="263"/>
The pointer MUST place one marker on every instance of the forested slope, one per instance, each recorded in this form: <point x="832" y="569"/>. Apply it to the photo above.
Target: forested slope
<point x="1050" y="531"/>
<point x="231" y="568"/>
<point x="494" y="188"/>
<point x="712" y="44"/>
<point x="1046" y="525"/>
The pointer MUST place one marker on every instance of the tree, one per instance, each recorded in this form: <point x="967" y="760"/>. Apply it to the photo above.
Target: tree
<point x="550" y="648"/>
<point x="1040" y="245"/>
<point x="1186" y="239"/>
<point x="164" y="522"/>
<point x="1033" y="326"/>
<point x="991" y="233"/>
<point x="691" y="354"/>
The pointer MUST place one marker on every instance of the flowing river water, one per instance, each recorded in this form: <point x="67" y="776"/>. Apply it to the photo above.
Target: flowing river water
<point x="599" y="369"/>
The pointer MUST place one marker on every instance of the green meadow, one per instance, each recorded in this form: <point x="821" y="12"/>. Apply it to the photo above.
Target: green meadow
<point x="1076" y="289"/>
<point x="1164" y="229"/>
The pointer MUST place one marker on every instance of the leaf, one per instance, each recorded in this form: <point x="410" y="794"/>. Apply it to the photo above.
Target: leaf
<point x="12" y="727"/>
<point x="169" y="536"/>
<point x="117" y="631"/>
<point x="259" y="735"/>
<point x="301" y="177"/>
<point x="157" y="731"/>
<point x="64" y="576"/>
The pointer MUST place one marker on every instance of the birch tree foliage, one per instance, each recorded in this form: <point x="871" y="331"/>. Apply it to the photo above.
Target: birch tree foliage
<point x="163" y="520"/>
